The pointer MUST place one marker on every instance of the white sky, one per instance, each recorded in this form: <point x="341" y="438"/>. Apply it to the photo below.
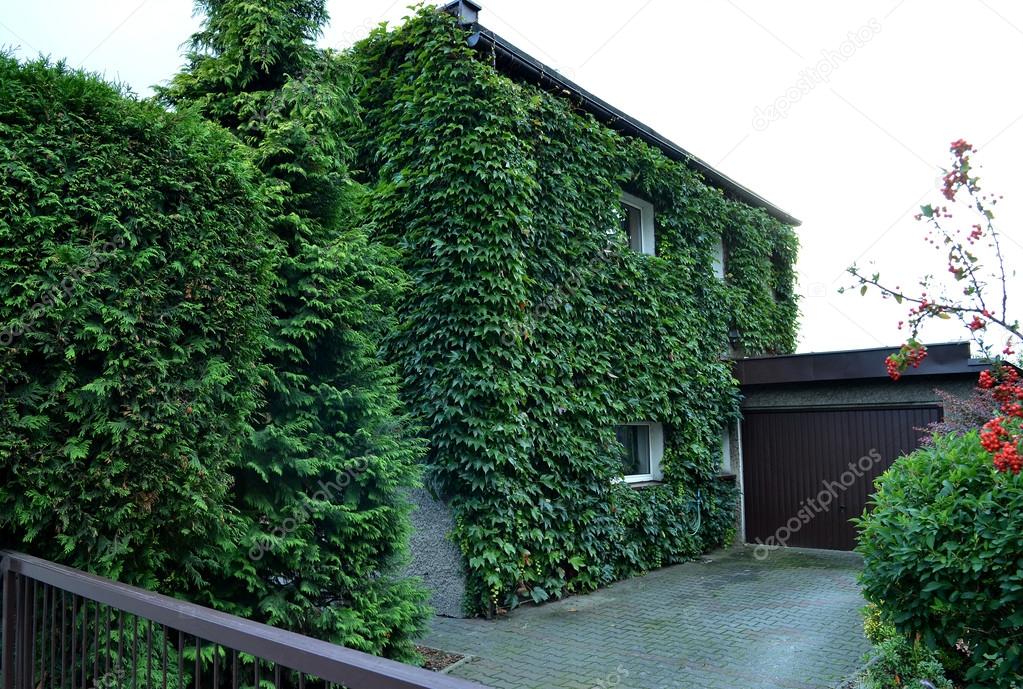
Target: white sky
<point x="853" y="158"/>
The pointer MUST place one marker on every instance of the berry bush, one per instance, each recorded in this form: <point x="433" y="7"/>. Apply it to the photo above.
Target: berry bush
<point x="942" y="548"/>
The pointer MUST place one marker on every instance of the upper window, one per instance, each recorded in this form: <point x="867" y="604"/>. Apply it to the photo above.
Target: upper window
<point x="638" y="223"/>
<point x="642" y="448"/>
<point x="719" y="259"/>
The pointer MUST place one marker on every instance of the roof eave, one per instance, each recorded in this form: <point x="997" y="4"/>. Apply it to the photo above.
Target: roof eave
<point x="548" y="78"/>
<point x="943" y="359"/>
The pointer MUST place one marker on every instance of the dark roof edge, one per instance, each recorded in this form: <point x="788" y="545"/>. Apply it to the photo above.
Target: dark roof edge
<point x="834" y="352"/>
<point x="611" y="116"/>
<point x="943" y="359"/>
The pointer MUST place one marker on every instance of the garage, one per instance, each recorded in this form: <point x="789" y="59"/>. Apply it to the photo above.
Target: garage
<point x="808" y="471"/>
<point x="817" y="429"/>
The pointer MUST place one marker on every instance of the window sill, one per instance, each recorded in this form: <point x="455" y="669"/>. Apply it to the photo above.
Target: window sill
<point x="644" y="484"/>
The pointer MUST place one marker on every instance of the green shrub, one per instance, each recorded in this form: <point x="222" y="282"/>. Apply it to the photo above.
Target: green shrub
<point x="135" y="265"/>
<point x="320" y="500"/>
<point x="943" y="556"/>
<point x="875" y="628"/>
<point x="529" y="332"/>
<point x="897" y="661"/>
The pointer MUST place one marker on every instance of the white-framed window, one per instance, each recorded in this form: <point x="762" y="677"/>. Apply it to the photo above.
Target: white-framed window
<point x="719" y="259"/>
<point x="642" y="448"/>
<point x="638" y="223"/>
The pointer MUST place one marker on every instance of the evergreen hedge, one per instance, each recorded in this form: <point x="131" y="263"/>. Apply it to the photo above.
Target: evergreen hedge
<point x="135" y="266"/>
<point x="531" y="329"/>
<point x="321" y="487"/>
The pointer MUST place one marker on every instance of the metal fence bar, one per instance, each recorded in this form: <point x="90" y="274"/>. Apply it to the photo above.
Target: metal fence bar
<point x="10" y="623"/>
<point x="24" y="642"/>
<point x="281" y="650"/>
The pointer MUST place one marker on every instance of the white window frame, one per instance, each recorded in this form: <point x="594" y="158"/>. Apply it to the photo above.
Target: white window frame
<point x="656" y="432"/>
<point x="718" y="260"/>
<point x="646" y="222"/>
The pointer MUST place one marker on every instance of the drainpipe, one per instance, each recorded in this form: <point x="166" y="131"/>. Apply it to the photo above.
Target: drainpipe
<point x="739" y="481"/>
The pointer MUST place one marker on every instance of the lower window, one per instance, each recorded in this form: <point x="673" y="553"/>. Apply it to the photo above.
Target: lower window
<point x="642" y="447"/>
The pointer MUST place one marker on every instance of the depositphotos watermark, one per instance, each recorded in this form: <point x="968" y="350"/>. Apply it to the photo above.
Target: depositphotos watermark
<point x="815" y="75"/>
<point x="560" y="297"/>
<point x="613" y="679"/>
<point x="304" y="512"/>
<point x="67" y="285"/>
<point x="811" y="507"/>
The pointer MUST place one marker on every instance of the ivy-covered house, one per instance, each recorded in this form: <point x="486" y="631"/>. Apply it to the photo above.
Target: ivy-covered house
<point x="576" y="284"/>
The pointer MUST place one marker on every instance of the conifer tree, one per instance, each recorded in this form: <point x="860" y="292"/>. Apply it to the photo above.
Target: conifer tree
<point x="320" y="494"/>
<point x="136" y="267"/>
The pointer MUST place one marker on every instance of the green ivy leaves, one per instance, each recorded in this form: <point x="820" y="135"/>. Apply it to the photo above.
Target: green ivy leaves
<point x="529" y="332"/>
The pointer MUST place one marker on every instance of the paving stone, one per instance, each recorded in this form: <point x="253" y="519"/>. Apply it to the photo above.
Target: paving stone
<point x="791" y="621"/>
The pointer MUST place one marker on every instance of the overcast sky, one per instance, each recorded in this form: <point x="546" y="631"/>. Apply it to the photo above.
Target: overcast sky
<point x="873" y="92"/>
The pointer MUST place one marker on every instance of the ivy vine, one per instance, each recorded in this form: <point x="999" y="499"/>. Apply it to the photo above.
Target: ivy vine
<point x="531" y="329"/>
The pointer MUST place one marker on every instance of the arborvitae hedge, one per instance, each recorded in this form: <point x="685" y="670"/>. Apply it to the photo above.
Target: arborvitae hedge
<point x="135" y="264"/>
<point x="531" y="329"/>
<point x="320" y="493"/>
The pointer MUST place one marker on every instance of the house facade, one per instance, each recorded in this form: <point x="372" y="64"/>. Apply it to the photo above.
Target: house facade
<point x="576" y="284"/>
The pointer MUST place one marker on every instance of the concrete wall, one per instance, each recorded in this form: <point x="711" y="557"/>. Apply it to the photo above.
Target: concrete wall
<point x="434" y="557"/>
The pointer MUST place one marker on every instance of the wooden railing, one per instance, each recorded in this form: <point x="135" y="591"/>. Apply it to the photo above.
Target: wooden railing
<point x="66" y="629"/>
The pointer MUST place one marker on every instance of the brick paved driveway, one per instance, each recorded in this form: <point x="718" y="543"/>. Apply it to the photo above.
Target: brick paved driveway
<point x="728" y="620"/>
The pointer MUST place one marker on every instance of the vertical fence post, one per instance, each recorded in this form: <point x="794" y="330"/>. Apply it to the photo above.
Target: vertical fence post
<point x="10" y="620"/>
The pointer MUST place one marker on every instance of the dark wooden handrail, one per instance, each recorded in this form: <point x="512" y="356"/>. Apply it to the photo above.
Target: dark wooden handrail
<point x="326" y="661"/>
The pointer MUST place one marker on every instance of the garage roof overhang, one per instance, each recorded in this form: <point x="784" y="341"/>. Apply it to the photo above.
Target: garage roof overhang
<point x="951" y="358"/>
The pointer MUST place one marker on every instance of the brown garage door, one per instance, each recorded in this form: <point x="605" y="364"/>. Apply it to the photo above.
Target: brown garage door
<point x="807" y="472"/>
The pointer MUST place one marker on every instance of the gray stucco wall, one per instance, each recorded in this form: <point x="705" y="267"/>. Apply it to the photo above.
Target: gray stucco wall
<point x="856" y="393"/>
<point x="434" y="557"/>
